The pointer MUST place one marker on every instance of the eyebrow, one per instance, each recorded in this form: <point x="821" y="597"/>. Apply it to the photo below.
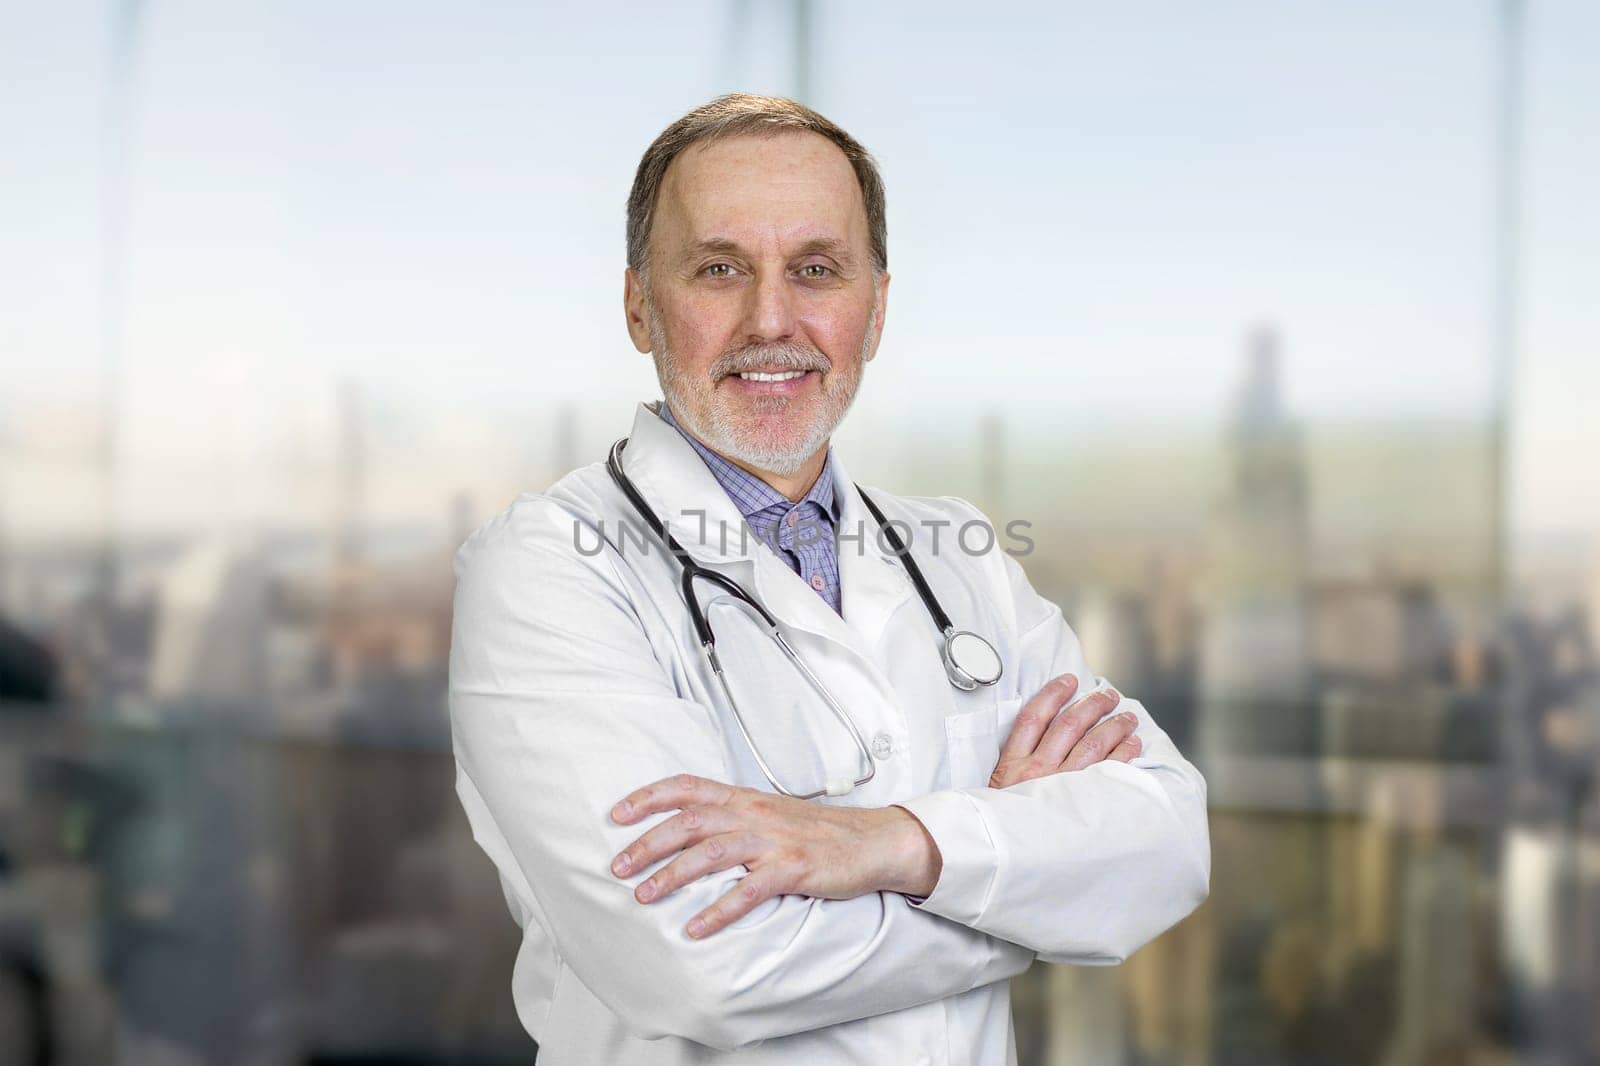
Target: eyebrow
<point x="726" y="246"/>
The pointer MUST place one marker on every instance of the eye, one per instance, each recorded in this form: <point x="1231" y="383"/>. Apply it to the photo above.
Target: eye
<point x="816" y="272"/>
<point x="718" y="270"/>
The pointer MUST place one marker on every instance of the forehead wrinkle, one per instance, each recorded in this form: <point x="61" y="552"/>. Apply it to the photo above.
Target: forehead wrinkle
<point x="798" y="185"/>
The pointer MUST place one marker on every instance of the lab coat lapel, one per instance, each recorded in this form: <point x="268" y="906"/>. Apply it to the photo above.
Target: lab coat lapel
<point x="873" y="583"/>
<point x="686" y="497"/>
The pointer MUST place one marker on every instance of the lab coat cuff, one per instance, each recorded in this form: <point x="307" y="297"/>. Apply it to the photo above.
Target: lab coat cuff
<point x="966" y="880"/>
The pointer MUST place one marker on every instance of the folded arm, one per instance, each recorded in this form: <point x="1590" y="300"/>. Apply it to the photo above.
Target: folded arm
<point x="558" y="707"/>
<point x="1083" y="866"/>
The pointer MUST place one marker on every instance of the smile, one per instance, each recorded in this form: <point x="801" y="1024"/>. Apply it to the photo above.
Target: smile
<point x="770" y="383"/>
<point x="790" y="383"/>
<point x="785" y="375"/>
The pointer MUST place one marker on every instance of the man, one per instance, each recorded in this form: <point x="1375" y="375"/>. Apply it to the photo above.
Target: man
<point x="678" y="903"/>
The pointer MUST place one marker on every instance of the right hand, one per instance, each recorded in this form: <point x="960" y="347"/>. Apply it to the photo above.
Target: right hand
<point x="1047" y="740"/>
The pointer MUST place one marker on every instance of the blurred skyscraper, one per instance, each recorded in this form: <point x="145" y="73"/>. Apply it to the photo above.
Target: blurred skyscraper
<point x="1255" y="674"/>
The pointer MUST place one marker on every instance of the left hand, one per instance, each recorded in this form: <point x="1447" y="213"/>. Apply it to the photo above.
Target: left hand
<point x="1047" y="739"/>
<point x="790" y="847"/>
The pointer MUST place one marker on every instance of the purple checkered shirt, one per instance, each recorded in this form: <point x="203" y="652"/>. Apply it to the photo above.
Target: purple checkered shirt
<point x="801" y="534"/>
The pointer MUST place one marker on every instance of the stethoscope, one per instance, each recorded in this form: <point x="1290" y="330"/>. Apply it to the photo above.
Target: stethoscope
<point x="969" y="660"/>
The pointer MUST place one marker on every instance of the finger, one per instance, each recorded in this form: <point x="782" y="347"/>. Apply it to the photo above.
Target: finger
<point x="715" y="853"/>
<point x="669" y="793"/>
<point x="684" y="829"/>
<point x="1072" y="724"/>
<point x="1101" y="740"/>
<point x="1128" y="750"/>
<point x="1036" y="716"/>
<point x="740" y="900"/>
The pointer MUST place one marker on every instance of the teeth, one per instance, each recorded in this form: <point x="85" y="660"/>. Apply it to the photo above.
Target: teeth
<point x="787" y="375"/>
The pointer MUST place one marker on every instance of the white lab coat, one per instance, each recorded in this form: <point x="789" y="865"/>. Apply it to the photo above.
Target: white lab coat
<point x="576" y="677"/>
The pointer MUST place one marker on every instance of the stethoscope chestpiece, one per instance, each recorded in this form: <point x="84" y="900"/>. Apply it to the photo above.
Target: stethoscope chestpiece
<point x="970" y="660"/>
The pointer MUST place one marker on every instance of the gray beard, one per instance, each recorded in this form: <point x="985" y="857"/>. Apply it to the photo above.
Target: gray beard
<point x="723" y="433"/>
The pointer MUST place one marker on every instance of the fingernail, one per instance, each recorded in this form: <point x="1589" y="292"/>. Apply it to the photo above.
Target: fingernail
<point x="696" y="927"/>
<point x="620" y="864"/>
<point x="647" y="891"/>
<point x="623" y="809"/>
<point x="1129" y="716"/>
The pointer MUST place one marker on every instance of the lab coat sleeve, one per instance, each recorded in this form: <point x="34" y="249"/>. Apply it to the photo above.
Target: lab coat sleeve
<point x="1083" y="866"/>
<point x="558" y="708"/>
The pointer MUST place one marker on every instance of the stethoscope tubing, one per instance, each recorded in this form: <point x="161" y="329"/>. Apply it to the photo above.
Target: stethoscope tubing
<point x="898" y="546"/>
<point x="958" y="675"/>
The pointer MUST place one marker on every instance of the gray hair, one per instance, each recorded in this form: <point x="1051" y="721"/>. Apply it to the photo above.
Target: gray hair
<point x="731" y="115"/>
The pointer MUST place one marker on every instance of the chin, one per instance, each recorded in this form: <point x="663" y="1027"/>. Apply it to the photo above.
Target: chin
<point x="777" y="435"/>
<point x="781" y="446"/>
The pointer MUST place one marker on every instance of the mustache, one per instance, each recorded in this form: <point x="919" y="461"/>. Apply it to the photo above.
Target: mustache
<point x="776" y="357"/>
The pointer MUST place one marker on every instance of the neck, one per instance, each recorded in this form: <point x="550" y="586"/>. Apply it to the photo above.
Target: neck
<point x="794" y="486"/>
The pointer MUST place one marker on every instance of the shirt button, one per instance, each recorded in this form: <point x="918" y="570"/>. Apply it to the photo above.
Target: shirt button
<point x="882" y="746"/>
<point x="817" y="582"/>
<point x="794" y="516"/>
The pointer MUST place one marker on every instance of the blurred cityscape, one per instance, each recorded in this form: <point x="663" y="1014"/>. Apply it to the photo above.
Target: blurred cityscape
<point x="347" y="295"/>
<point x="228" y="831"/>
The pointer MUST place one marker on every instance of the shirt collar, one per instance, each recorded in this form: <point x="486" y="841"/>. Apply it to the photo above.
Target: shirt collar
<point x="749" y="492"/>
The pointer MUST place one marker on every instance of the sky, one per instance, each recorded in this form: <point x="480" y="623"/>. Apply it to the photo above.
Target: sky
<point x="1089" y="207"/>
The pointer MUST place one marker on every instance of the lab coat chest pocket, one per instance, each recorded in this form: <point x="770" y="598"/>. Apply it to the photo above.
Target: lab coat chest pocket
<point x="973" y="739"/>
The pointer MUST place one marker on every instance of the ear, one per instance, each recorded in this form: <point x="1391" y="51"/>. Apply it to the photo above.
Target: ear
<point x="883" y="312"/>
<point x="633" y="307"/>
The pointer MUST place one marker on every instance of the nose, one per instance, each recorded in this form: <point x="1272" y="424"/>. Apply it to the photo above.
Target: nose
<point x="770" y="315"/>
